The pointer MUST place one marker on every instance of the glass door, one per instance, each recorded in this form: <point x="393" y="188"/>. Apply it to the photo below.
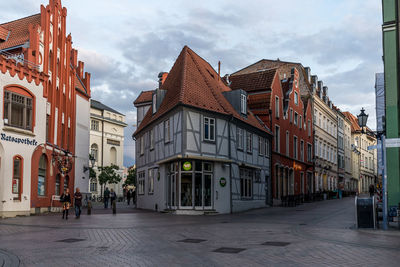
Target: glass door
<point x="186" y="190"/>
<point x="198" y="191"/>
<point x="207" y="191"/>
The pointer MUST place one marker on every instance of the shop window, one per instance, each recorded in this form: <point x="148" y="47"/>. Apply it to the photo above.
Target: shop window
<point x="246" y="183"/>
<point x="17" y="175"/>
<point x="58" y="182"/>
<point x="209" y="129"/>
<point x="18" y="109"/>
<point x="42" y="176"/>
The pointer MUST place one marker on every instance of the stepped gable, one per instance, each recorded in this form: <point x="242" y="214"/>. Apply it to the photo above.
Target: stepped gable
<point x="193" y="82"/>
<point x="18" y="31"/>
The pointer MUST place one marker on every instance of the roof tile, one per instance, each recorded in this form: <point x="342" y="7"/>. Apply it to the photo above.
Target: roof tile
<point x="145" y="96"/>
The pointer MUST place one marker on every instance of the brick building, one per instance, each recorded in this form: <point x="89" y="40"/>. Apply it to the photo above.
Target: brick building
<point x="43" y="89"/>
<point x="278" y="95"/>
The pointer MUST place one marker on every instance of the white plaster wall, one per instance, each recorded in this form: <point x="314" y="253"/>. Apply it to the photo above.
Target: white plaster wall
<point x="8" y="206"/>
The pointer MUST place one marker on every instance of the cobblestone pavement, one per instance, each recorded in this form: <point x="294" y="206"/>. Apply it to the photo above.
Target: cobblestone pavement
<point x="314" y="234"/>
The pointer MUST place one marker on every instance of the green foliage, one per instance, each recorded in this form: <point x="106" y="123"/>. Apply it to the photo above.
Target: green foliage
<point x="108" y="175"/>
<point x="131" y="177"/>
<point x="92" y="173"/>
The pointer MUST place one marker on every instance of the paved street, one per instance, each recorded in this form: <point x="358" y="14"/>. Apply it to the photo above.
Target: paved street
<point x="316" y="234"/>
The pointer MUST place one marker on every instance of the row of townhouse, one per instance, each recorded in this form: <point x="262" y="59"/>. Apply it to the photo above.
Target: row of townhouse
<point x="247" y="140"/>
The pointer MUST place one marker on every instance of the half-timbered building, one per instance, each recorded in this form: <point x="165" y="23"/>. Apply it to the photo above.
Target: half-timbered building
<point x="198" y="147"/>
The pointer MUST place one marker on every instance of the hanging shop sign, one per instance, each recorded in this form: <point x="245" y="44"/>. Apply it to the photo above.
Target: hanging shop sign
<point x="187" y="166"/>
<point x="222" y="181"/>
<point x="25" y="141"/>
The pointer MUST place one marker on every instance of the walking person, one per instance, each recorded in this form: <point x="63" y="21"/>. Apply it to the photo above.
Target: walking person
<point x="128" y="196"/>
<point x="66" y="200"/>
<point x="113" y="196"/>
<point x="371" y="190"/>
<point x="106" y="197"/>
<point x="78" y="203"/>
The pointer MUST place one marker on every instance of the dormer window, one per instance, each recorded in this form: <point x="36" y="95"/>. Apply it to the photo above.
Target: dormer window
<point x="243" y="104"/>
<point x="154" y="103"/>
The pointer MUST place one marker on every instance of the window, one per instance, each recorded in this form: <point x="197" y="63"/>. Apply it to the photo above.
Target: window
<point x="246" y="183"/>
<point x="316" y="148"/>
<point x="17" y="175"/>
<point x="57" y="186"/>
<point x="18" y="110"/>
<point x="302" y="150"/>
<point x="167" y="131"/>
<point x="287" y="144"/>
<point x="277" y="139"/>
<point x="276" y="106"/>
<point x="94" y="151"/>
<point x="151" y="180"/>
<point x="302" y="182"/>
<point x="239" y="138"/>
<point x="113" y="155"/>
<point x="94" y="125"/>
<point x="152" y="139"/>
<point x="154" y="103"/>
<point x="323" y="152"/>
<point x="300" y="122"/>
<point x="93" y="185"/>
<point x="249" y="142"/>
<point x="296" y="98"/>
<point x="295" y="118"/>
<point x="42" y="176"/>
<point x="267" y="142"/>
<point x="243" y="103"/>
<point x="291" y="115"/>
<point x="309" y="152"/>
<point x="47" y="127"/>
<point x="66" y="182"/>
<point x="141" y="177"/>
<point x="261" y="146"/>
<point x="141" y="143"/>
<point x="295" y="147"/>
<point x="309" y="128"/>
<point x="320" y="150"/>
<point x="209" y="129"/>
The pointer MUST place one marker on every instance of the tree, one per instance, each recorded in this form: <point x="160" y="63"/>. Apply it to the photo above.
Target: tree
<point x="131" y="177"/>
<point x="108" y="175"/>
<point x="92" y="173"/>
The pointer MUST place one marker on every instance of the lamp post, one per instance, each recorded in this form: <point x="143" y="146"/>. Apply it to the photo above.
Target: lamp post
<point x="362" y="122"/>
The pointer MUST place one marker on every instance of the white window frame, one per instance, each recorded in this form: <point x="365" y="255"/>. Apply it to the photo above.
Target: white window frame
<point x="141" y="143"/>
<point x="239" y="136"/>
<point x="167" y="131"/>
<point x="152" y="139"/>
<point x="243" y="104"/>
<point x="296" y="98"/>
<point x="249" y="142"/>
<point x="209" y="134"/>
<point x="246" y="183"/>
<point x="277" y="107"/>
<point x="154" y="103"/>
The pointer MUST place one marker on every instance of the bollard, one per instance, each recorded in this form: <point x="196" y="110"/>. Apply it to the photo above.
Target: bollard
<point x="89" y="208"/>
<point x="114" y="207"/>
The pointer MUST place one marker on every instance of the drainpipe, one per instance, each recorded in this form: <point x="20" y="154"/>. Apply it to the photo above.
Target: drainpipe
<point x="230" y="164"/>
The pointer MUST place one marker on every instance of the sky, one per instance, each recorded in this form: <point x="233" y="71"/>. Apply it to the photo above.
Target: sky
<point x="126" y="43"/>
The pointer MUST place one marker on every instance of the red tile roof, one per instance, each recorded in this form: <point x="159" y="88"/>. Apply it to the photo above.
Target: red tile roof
<point x="353" y="120"/>
<point x="3" y="33"/>
<point x="193" y="82"/>
<point x="145" y="96"/>
<point x="19" y="33"/>
<point x="255" y="81"/>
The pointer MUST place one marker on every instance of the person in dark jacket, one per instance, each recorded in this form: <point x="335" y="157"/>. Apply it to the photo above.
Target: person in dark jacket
<point x="78" y="202"/>
<point x="128" y="196"/>
<point x="65" y="199"/>
<point x="113" y="196"/>
<point x="371" y="190"/>
<point x="106" y="197"/>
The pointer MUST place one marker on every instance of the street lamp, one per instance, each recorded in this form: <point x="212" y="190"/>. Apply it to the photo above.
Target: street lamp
<point x="362" y="122"/>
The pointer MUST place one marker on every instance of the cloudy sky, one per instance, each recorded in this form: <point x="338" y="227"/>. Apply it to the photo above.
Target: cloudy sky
<point x="126" y="43"/>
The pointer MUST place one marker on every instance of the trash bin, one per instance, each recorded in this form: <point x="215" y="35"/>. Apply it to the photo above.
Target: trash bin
<point x="365" y="212"/>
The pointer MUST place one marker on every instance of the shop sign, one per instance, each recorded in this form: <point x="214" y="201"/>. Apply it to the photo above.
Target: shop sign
<point x="25" y="141"/>
<point x="187" y="166"/>
<point x="222" y="181"/>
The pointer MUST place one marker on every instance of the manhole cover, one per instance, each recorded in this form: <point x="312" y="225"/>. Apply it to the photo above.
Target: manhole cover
<point x="229" y="250"/>
<point x="71" y="240"/>
<point x="276" y="243"/>
<point x="192" y="240"/>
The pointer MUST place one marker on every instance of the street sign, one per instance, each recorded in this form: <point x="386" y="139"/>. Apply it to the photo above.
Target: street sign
<point x="393" y="142"/>
<point x="372" y="147"/>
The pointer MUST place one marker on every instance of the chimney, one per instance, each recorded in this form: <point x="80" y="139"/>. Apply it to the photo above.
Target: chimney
<point x="314" y="80"/>
<point x="219" y="69"/>
<point x="308" y="73"/>
<point x="162" y="76"/>
<point x="320" y="85"/>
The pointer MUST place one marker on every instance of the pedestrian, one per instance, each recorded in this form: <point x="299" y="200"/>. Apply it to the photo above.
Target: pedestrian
<point x="128" y="196"/>
<point x="106" y="197"/>
<point x="78" y="203"/>
<point x="65" y="199"/>
<point x="371" y="190"/>
<point x="113" y="196"/>
<point x="134" y="197"/>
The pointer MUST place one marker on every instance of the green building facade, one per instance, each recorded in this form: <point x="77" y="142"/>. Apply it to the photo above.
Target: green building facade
<point x="391" y="60"/>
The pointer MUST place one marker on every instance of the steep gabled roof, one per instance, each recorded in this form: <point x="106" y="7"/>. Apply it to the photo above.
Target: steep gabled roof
<point x="255" y="81"/>
<point x="144" y="97"/>
<point x="353" y="120"/>
<point x="193" y="82"/>
<point x="264" y="64"/>
<point x="18" y="31"/>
